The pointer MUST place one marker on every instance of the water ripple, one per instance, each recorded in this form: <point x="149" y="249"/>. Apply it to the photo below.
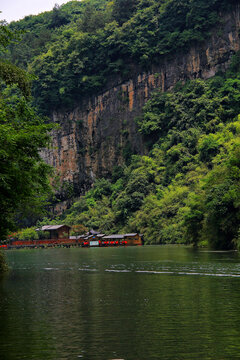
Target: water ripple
<point x="118" y="271"/>
<point x="188" y="273"/>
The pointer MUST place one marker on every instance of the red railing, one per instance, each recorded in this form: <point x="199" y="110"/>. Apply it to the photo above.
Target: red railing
<point x="44" y="242"/>
<point x="66" y="241"/>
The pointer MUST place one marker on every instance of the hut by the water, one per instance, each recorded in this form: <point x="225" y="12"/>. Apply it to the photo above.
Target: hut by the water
<point x="57" y="231"/>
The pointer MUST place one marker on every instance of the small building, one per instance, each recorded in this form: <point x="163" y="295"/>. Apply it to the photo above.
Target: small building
<point x="75" y="237"/>
<point x="133" y="239"/>
<point x="93" y="232"/>
<point x="90" y="240"/>
<point x="79" y="239"/>
<point x="94" y="243"/>
<point x="99" y="237"/>
<point x="85" y="240"/>
<point x="95" y="239"/>
<point x="115" y="239"/>
<point x="57" y="231"/>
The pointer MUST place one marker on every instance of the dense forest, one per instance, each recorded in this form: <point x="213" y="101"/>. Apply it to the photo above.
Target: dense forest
<point x="186" y="190"/>
<point x="24" y="176"/>
<point x="78" y="48"/>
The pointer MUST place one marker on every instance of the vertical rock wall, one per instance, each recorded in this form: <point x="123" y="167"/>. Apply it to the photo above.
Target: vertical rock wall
<point x="100" y="132"/>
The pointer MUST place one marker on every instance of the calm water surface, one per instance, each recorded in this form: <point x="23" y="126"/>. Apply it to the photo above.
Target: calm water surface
<point x="135" y="303"/>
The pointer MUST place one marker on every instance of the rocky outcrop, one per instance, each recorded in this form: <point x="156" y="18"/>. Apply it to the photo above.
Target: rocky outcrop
<point x="101" y="133"/>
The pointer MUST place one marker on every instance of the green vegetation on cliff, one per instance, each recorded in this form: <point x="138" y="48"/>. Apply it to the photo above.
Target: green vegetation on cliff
<point x="76" y="49"/>
<point x="187" y="190"/>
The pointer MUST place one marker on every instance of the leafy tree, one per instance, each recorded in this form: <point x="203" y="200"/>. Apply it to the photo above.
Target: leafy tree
<point x="208" y="148"/>
<point x="58" y="18"/>
<point x="193" y="215"/>
<point x="187" y="189"/>
<point x="222" y="199"/>
<point x="24" y="184"/>
<point x="28" y="234"/>
<point x="76" y="48"/>
<point x="78" y="230"/>
<point x="123" y="10"/>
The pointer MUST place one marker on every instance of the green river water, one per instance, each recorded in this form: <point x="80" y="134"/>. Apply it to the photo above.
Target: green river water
<point x="133" y="303"/>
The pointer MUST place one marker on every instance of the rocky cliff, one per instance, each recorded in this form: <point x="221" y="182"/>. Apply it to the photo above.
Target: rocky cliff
<point x="100" y="132"/>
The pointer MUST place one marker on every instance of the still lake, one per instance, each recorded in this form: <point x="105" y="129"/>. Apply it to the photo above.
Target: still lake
<point x="133" y="303"/>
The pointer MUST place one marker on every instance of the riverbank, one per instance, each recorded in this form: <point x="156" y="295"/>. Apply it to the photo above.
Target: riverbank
<point x="91" y="239"/>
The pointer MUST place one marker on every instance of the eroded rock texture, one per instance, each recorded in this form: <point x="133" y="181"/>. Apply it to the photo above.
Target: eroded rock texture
<point x="100" y="132"/>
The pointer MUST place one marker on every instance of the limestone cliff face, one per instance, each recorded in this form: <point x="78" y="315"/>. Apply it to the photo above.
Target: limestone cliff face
<point x="100" y="132"/>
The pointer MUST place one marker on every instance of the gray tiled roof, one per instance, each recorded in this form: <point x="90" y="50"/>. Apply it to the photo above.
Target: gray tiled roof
<point x="115" y="236"/>
<point x="52" y="227"/>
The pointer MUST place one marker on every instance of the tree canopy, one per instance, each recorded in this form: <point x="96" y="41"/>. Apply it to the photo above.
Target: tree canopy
<point x="24" y="183"/>
<point x="77" y="47"/>
<point x="187" y="189"/>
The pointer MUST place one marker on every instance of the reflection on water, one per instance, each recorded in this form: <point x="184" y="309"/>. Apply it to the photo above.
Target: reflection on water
<point x="134" y="303"/>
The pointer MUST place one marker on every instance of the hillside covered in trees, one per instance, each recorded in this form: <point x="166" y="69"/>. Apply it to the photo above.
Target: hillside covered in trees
<point x="78" y="48"/>
<point x="186" y="189"/>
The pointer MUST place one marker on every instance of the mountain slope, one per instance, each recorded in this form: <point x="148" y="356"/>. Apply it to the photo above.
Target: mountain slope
<point x="165" y="152"/>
